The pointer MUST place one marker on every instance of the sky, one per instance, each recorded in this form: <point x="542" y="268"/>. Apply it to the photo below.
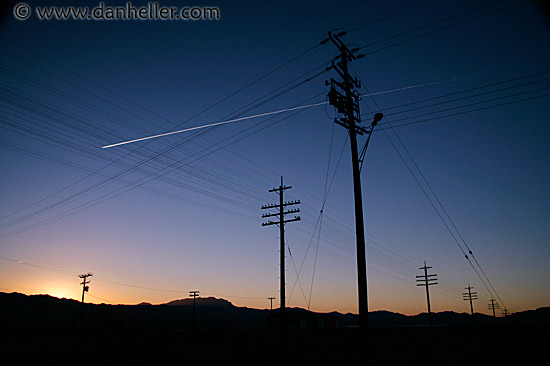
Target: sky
<point x="460" y="161"/>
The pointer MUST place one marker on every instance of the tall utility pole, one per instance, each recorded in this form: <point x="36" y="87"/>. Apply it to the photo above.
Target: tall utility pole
<point x="281" y="223"/>
<point x="271" y="298"/>
<point x="427" y="280"/>
<point x="493" y="305"/>
<point x="345" y="99"/>
<point x="194" y="295"/>
<point x="85" y="289"/>
<point x="470" y="296"/>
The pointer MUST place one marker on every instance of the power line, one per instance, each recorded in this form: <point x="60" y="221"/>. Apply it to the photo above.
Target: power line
<point x="99" y="298"/>
<point x="433" y="204"/>
<point x="146" y="109"/>
<point x="103" y="280"/>
<point x="471" y="104"/>
<point x="318" y="223"/>
<point x="474" y="96"/>
<point x="439" y="29"/>
<point x="216" y="124"/>
<point x="466" y="90"/>
<point x="296" y="271"/>
<point x="151" y="176"/>
<point x="464" y="112"/>
<point x="387" y="16"/>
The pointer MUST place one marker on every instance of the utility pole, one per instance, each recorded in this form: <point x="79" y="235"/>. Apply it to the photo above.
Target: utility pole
<point x="194" y="295"/>
<point x="281" y="223"/>
<point x="271" y="303"/>
<point x="345" y="99"/>
<point x="493" y="305"/>
<point x="85" y="289"/>
<point x="427" y="280"/>
<point x="505" y="313"/>
<point x="470" y="296"/>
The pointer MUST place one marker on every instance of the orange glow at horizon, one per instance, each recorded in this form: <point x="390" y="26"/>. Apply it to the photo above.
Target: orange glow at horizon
<point x="62" y="286"/>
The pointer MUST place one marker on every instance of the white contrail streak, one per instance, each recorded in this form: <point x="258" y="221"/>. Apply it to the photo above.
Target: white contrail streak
<point x="407" y="87"/>
<point x="214" y="124"/>
<point x="423" y="85"/>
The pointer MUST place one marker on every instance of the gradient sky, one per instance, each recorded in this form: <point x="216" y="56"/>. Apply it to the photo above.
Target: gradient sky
<point x="148" y="234"/>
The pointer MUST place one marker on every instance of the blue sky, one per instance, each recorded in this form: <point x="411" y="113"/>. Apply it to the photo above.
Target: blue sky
<point x="472" y="76"/>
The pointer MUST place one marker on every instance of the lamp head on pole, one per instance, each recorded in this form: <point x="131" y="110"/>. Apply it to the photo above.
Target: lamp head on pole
<point x="377" y="118"/>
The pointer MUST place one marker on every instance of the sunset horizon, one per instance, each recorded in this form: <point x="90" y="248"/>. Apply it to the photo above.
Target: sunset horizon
<point x="344" y="157"/>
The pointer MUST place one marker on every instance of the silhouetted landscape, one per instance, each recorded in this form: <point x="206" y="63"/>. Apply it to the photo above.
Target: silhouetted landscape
<point x="264" y="152"/>
<point x="45" y="329"/>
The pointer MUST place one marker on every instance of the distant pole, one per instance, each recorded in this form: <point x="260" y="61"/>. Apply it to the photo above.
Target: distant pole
<point x="505" y="312"/>
<point x="85" y="289"/>
<point x="427" y="280"/>
<point x="194" y="295"/>
<point x="470" y="296"/>
<point x="493" y="305"/>
<point x="281" y="223"/>
<point x="271" y="303"/>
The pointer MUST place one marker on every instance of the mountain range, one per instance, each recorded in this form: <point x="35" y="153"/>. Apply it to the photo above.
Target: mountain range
<point x="43" y="311"/>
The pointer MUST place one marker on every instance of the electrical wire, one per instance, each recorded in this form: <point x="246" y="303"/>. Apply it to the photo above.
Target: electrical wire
<point x="148" y="178"/>
<point x="124" y="172"/>
<point x="464" y="112"/>
<point x="437" y="30"/>
<point x="134" y="103"/>
<point x="434" y="205"/>
<point x="388" y="16"/>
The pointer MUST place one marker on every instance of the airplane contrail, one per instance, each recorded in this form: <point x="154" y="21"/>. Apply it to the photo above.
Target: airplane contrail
<point x="423" y="85"/>
<point x="279" y="111"/>
<point x="214" y="124"/>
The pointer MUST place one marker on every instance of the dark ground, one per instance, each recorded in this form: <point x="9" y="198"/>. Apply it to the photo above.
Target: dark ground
<point x="43" y="330"/>
<point x="488" y="345"/>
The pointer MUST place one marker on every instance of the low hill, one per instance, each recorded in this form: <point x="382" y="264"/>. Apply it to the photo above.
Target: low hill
<point x="18" y="310"/>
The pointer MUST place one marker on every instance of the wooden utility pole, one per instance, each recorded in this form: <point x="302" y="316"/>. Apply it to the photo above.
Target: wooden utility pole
<point x="85" y="289"/>
<point x="344" y="97"/>
<point x="470" y="296"/>
<point x="427" y="280"/>
<point x="271" y="298"/>
<point x="493" y="305"/>
<point x="281" y="223"/>
<point x="194" y="295"/>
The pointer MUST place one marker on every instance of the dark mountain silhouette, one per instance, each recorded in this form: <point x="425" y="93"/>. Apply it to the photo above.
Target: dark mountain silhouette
<point x="18" y="310"/>
<point x="201" y="301"/>
<point x="41" y="329"/>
